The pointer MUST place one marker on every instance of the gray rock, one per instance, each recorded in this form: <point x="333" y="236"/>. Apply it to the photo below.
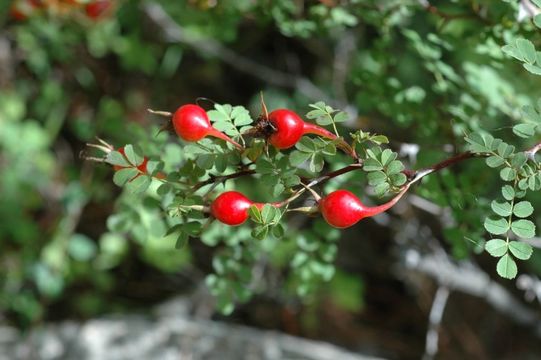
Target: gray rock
<point x="169" y="334"/>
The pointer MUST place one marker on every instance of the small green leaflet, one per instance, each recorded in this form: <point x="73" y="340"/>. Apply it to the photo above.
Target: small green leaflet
<point x="521" y="250"/>
<point x="139" y="185"/>
<point x="132" y="155"/>
<point x="523" y="228"/>
<point x="506" y="267"/>
<point x="122" y="176"/>
<point x="523" y="209"/>
<point x="524" y="130"/>
<point x="496" y="247"/>
<point x="116" y="158"/>
<point x="501" y="208"/>
<point x="496" y="226"/>
<point x="508" y="192"/>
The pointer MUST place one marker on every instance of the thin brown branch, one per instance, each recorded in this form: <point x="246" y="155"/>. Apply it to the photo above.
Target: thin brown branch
<point x="218" y="179"/>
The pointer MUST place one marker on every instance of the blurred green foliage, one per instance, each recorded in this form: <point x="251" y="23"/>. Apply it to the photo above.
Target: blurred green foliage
<point x="68" y="236"/>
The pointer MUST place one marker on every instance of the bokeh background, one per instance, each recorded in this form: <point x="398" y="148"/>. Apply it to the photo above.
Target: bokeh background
<point x="73" y="246"/>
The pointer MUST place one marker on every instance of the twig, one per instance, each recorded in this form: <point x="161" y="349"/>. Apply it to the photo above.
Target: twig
<point x="419" y="174"/>
<point x="530" y="153"/>
<point x="435" y="317"/>
<point x="467" y="278"/>
<point x="219" y="179"/>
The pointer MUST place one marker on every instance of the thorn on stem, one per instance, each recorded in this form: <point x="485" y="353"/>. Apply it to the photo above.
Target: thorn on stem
<point x="160" y="113"/>
<point x="264" y="106"/>
<point x="314" y="194"/>
<point x="201" y="98"/>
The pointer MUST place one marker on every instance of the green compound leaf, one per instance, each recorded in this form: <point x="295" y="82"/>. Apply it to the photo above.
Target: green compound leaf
<point x="521" y="250"/>
<point x="523" y="228"/>
<point x="501" y="208"/>
<point x="122" y="176"/>
<point x="506" y="267"/>
<point x="496" y="247"/>
<point x="496" y="226"/>
<point x="523" y="209"/>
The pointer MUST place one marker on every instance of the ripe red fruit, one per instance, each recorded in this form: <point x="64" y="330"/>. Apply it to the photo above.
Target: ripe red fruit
<point x="192" y="123"/>
<point x="289" y="128"/>
<point x="96" y="9"/>
<point x="342" y="208"/>
<point x="231" y="207"/>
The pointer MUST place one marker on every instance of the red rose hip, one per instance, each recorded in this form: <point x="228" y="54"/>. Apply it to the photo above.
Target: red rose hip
<point x="192" y="123"/>
<point x="342" y="209"/>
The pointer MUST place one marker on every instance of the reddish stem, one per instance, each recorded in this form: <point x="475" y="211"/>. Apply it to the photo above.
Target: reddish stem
<point x="220" y="135"/>
<point x="309" y="128"/>
<point x="371" y="211"/>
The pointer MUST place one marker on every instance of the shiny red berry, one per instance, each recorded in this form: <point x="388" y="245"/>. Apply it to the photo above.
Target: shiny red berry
<point x="192" y="123"/>
<point x="289" y="128"/>
<point x="231" y="208"/>
<point x="342" y="208"/>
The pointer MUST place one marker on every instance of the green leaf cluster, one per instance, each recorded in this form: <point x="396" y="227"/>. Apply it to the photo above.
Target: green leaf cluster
<point x="277" y="175"/>
<point x="384" y="170"/>
<point x="267" y="220"/>
<point x="313" y="151"/>
<point x="232" y="120"/>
